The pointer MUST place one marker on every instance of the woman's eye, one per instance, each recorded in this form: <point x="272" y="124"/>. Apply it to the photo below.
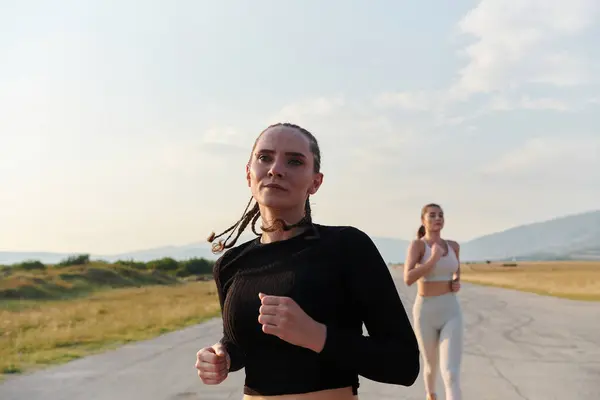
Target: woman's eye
<point x="267" y="158"/>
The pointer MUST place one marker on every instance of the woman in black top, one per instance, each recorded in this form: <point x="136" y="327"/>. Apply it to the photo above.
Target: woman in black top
<point x="294" y="299"/>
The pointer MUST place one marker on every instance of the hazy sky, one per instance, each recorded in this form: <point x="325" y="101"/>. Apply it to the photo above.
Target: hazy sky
<point x="127" y="124"/>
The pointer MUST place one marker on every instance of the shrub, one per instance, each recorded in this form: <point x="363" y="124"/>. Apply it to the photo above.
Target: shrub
<point x="167" y="264"/>
<point x="197" y="266"/>
<point x="132" y="264"/>
<point x="30" y="265"/>
<point x="80" y="259"/>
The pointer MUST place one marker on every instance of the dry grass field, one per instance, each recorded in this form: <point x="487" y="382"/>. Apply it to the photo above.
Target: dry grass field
<point x="50" y="332"/>
<point x="53" y="314"/>
<point x="577" y="280"/>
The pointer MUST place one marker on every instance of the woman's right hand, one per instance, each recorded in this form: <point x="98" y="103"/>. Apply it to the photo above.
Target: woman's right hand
<point x="213" y="364"/>
<point x="437" y="251"/>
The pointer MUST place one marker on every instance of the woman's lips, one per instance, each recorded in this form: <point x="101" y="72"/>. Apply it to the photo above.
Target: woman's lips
<point x="275" y="186"/>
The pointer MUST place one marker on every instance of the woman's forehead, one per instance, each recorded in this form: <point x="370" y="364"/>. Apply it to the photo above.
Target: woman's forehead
<point x="282" y="138"/>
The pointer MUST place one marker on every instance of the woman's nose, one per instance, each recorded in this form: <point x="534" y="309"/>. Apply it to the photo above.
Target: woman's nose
<point x="276" y="170"/>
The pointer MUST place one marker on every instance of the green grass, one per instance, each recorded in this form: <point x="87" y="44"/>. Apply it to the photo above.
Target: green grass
<point x="77" y="276"/>
<point x="76" y="281"/>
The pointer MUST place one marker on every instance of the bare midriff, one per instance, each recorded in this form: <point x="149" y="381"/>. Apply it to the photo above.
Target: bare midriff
<point x="430" y="289"/>
<point x="332" y="394"/>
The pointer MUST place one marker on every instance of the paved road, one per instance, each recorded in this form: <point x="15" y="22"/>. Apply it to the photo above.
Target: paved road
<point x="518" y="346"/>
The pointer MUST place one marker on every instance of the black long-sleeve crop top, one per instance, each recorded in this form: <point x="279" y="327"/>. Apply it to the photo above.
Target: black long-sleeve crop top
<point x="338" y="277"/>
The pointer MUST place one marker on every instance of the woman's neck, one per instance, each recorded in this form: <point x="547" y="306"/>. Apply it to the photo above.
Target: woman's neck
<point x="290" y="217"/>
<point x="432" y="236"/>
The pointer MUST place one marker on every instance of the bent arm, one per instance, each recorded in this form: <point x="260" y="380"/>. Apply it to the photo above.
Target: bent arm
<point x="413" y="271"/>
<point x="236" y="356"/>
<point x="390" y="354"/>
<point x="456" y="248"/>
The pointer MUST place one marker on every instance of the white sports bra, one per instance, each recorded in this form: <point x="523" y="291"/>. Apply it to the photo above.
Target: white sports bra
<point x="445" y="267"/>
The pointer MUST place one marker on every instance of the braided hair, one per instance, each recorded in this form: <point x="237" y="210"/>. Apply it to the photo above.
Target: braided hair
<point x="251" y="217"/>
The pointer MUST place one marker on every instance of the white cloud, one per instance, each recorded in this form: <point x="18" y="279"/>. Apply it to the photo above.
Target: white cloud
<point x="332" y="118"/>
<point x="504" y="103"/>
<point x="412" y="101"/>
<point x="344" y="130"/>
<point x="517" y="43"/>
<point x="514" y="44"/>
<point x="222" y="135"/>
<point x="319" y="106"/>
<point x="550" y="158"/>
<point x="217" y="147"/>
<point x="561" y="70"/>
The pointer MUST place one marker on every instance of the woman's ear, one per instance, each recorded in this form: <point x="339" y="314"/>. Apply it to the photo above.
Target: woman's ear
<point x="316" y="184"/>
<point x="248" y="174"/>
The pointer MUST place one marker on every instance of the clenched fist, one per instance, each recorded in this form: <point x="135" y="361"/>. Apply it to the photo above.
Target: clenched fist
<point x="283" y="317"/>
<point x="437" y="251"/>
<point x="213" y="364"/>
<point x="455" y="285"/>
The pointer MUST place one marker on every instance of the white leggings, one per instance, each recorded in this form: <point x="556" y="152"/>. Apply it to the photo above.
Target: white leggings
<point x="438" y="324"/>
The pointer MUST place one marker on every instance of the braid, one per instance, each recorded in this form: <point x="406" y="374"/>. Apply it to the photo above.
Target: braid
<point x="307" y="211"/>
<point x="212" y="235"/>
<point x="242" y="223"/>
<point x="251" y="217"/>
<point x="254" y="224"/>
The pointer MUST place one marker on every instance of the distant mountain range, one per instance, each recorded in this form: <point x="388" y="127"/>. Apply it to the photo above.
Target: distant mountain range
<point x="569" y="237"/>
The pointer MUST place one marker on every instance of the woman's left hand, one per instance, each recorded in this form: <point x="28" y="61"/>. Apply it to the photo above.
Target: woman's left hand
<point x="283" y="317"/>
<point x="455" y="285"/>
